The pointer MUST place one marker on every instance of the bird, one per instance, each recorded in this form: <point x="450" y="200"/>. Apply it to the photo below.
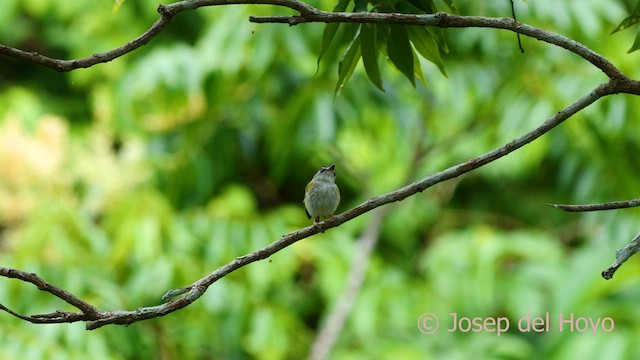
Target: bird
<point x="321" y="195"/>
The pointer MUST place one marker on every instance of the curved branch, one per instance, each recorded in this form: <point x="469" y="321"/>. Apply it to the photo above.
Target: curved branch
<point x="193" y="292"/>
<point x="88" y="311"/>
<point x="68" y="65"/>
<point x="311" y="14"/>
<point x="196" y="290"/>
<point x="43" y="285"/>
<point x="618" y="83"/>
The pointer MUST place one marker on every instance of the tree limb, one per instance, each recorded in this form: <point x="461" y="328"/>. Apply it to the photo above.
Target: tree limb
<point x="192" y="292"/>
<point x="618" y="83"/>
<point x="309" y="13"/>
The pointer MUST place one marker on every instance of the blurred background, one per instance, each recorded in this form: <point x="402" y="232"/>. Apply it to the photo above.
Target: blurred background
<point x="130" y="178"/>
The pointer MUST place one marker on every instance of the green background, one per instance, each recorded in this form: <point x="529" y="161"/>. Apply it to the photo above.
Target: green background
<point x="130" y="178"/>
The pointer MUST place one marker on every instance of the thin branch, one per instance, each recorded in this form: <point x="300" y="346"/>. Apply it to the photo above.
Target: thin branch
<point x="194" y="291"/>
<point x="68" y="65"/>
<point x="622" y="255"/>
<point x="597" y="207"/>
<point x="86" y="308"/>
<point x="55" y="317"/>
<point x="167" y="12"/>
<point x="513" y="15"/>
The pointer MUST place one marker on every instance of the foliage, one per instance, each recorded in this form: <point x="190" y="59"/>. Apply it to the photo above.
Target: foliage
<point x="130" y="178"/>
<point x="401" y="43"/>
<point x="629" y="21"/>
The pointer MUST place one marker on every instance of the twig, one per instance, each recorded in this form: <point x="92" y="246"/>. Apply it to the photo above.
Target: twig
<point x="613" y="205"/>
<point x="622" y="255"/>
<point x="167" y="12"/>
<point x="513" y="15"/>
<point x="86" y="308"/>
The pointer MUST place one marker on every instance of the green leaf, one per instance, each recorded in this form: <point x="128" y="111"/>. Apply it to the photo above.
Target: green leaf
<point x="451" y="6"/>
<point x="418" y="70"/>
<point x="411" y="7"/>
<point x="428" y="6"/>
<point x="360" y="5"/>
<point x="628" y="21"/>
<point x="426" y="45"/>
<point x="348" y="63"/>
<point x="438" y="36"/>
<point x="636" y="43"/>
<point x="370" y="54"/>
<point x="330" y="31"/>
<point x="400" y="51"/>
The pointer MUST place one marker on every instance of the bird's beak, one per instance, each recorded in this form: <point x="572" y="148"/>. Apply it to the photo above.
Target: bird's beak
<point x="332" y="167"/>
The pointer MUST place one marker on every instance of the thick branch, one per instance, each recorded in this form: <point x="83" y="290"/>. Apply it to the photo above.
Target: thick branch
<point x="167" y="12"/>
<point x="68" y="65"/>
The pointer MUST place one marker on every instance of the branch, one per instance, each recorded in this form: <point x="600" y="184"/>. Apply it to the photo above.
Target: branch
<point x="307" y="14"/>
<point x="192" y="292"/>
<point x="445" y="20"/>
<point x="597" y="207"/>
<point x="622" y="255"/>
<point x="88" y="311"/>
<point x="167" y="12"/>
<point x="618" y="84"/>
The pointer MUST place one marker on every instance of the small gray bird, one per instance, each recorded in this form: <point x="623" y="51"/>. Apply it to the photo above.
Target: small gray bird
<point x="321" y="196"/>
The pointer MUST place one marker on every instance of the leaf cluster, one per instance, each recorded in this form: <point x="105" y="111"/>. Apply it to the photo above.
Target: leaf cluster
<point x="400" y="44"/>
